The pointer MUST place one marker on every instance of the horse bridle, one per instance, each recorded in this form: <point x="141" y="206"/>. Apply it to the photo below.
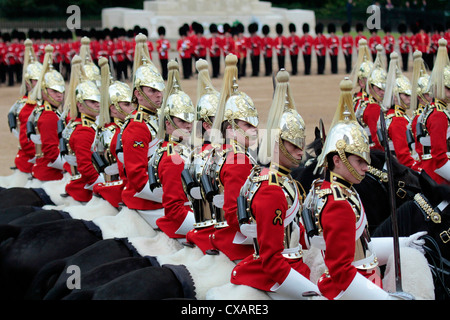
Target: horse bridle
<point x="381" y="177"/>
<point x="433" y="214"/>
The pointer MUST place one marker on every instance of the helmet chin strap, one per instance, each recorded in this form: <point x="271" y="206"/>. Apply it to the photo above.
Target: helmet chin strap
<point x="51" y="100"/>
<point x="119" y="109"/>
<point x="374" y="94"/>
<point x="235" y="127"/>
<point x="286" y="153"/>
<point x="347" y="164"/>
<point x="96" y="112"/>
<point x="149" y="101"/>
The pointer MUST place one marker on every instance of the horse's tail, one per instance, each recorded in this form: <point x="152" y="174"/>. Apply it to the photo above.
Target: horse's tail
<point x="45" y="279"/>
<point x="9" y="231"/>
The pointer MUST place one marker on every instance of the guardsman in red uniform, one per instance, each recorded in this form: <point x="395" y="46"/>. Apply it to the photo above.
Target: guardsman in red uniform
<point x="163" y="48"/>
<point x="374" y="40"/>
<point x="396" y="102"/>
<point x="420" y="98"/>
<point x="333" y="47"/>
<point x="185" y="49"/>
<point x="273" y="203"/>
<point x="267" y="45"/>
<point x="360" y="73"/>
<point x="376" y="84"/>
<point x="167" y="162"/>
<point x="79" y="134"/>
<point x="294" y="47"/>
<point x="22" y="108"/>
<point x="360" y="35"/>
<point x="320" y="47"/>
<point x="139" y="132"/>
<point x="44" y="118"/>
<point x="215" y="50"/>
<point x="388" y="44"/>
<point x="241" y="50"/>
<point x="208" y="99"/>
<point x="280" y="45"/>
<point x="435" y="121"/>
<point x="230" y="164"/>
<point x="351" y="256"/>
<point x="404" y="44"/>
<point x="115" y="107"/>
<point x="347" y="47"/>
<point x="306" y="44"/>
<point x="201" y="45"/>
<point x="254" y="47"/>
<point x="422" y="42"/>
<point x="228" y="45"/>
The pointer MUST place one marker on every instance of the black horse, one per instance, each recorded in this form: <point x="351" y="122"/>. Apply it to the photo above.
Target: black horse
<point x="428" y="211"/>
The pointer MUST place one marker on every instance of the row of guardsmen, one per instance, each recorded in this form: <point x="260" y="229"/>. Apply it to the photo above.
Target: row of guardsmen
<point x="118" y="45"/>
<point x="190" y="170"/>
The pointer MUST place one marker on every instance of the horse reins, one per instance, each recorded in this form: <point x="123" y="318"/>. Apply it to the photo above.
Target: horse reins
<point x="433" y="214"/>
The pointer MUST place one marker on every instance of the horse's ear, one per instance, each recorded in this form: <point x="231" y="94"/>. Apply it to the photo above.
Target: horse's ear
<point x="317" y="133"/>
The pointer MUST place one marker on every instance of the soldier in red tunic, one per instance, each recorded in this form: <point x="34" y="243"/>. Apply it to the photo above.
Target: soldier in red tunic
<point x="368" y="115"/>
<point x="294" y="47"/>
<point x="138" y="136"/>
<point x="44" y="118"/>
<point x="396" y="102"/>
<point x="281" y="46"/>
<point x="347" y="47"/>
<point x="333" y="47"/>
<point x="271" y="206"/>
<point x="306" y="44"/>
<point x="215" y="50"/>
<point x="320" y="47"/>
<point x="241" y="50"/>
<point x="359" y="76"/>
<point x="167" y="163"/>
<point x="404" y="43"/>
<point x="22" y="108"/>
<point x="254" y="47"/>
<point x="230" y="164"/>
<point x="351" y="256"/>
<point x="267" y="45"/>
<point x="388" y="44"/>
<point x="435" y="120"/>
<point x="208" y="99"/>
<point x="163" y="48"/>
<point x="83" y="103"/>
<point x="115" y="107"/>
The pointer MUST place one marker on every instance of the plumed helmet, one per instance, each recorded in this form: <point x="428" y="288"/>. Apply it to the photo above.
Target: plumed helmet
<point x="346" y="134"/>
<point x="283" y="123"/>
<point x="92" y="72"/>
<point x="145" y="72"/>
<point x="87" y="90"/>
<point x="378" y="74"/>
<point x="440" y="76"/>
<point x="179" y="105"/>
<point x="396" y="84"/>
<point x="240" y="106"/>
<point x="208" y="95"/>
<point x="119" y="92"/>
<point x="33" y="70"/>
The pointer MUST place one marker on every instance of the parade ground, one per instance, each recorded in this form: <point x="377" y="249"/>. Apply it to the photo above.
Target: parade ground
<point x="316" y="97"/>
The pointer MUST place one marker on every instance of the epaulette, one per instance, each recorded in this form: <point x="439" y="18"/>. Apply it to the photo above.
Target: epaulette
<point x="139" y="117"/>
<point x="88" y="122"/>
<point x="238" y="149"/>
<point x="48" y="107"/>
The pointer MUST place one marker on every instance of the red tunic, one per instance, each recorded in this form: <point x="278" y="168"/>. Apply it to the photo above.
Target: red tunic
<point x="215" y="46"/>
<point x="306" y="42"/>
<point x="389" y="44"/>
<point x="370" y="118"/>
<point x="174" y="200"/>
<point x="417" y="145"/>
<point x="294" y="44"/>
<point x="437" y="125"/>
<point x="233" y="175"/>
<point x="163" y="48"/>
<point x="339" y="232"/>
<point x="81" y="142"/>
<point x="26" y="150"/>
<point x="397" y="134"/>
<point x="320" y="45"/>
<point x="271" y="267"/>
<point x="267" y="46"/>
<point x="333" y="45"/>
<point x="254" y="45"/>
<point x="136" y="141"/>
<point x="281" y="45"/>
<point x="48" y="129"/>
<point x="347" y="45"/>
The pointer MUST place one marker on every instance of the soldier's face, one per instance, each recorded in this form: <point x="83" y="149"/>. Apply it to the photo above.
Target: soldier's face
<point x="153" y="94"/>
<point x="93" y="107"/>
<point x="294" y="151"/>
<point x="55" y="95"/>
<point x="358" y="163"/>
<point x="182" y="129"/>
